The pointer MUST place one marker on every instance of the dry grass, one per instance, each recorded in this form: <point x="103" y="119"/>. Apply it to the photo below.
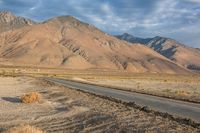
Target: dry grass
<point x="24" y="129"/>
<point x="171" y="86"/>
<point x="31" y="97"/>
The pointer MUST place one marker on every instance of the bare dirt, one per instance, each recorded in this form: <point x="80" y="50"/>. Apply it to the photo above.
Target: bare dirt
<point x="66" y="110"/>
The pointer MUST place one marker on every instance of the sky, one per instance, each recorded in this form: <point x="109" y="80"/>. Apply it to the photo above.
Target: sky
<point x="177" y="19"/>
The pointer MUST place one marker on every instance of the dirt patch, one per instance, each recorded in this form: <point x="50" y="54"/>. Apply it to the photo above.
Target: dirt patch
<point x="24" y="129"/>
<point x="13" y="112"/>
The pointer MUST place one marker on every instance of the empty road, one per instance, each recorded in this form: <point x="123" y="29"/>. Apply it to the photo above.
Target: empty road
<point x="174" y="107"/>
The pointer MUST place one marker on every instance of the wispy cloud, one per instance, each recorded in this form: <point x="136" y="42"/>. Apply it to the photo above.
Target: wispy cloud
<point x="194" y="1"/>
<point x="179" y="19"/>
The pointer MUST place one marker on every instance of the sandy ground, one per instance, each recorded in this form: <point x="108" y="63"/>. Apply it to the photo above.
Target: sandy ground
<point x="66" y="110"/>
<point x="180" y="90"/>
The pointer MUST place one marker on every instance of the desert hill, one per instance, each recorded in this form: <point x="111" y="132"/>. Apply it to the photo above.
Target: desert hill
<point x="8" y="21"/>
<point x="65" y="42"/>
<point x="173" y="50"/>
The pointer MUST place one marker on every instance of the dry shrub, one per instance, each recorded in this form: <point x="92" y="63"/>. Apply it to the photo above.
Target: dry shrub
<point x="182" y="93"/>
<point x="31" y="97"/>
<point x="24" y="129"/>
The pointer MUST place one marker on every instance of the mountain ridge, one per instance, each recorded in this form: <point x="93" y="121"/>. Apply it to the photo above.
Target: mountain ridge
<point x="170" y="48"/>
<point x="9" y="21"/>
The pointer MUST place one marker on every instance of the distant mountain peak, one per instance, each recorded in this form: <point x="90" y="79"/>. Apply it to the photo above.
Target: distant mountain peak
<point x="126" y="34"/>
<point x="130" y="38"/>
<point x="68" y="21"/>
<point x="6" y="16"/>
<point x="63" y="19"/>
<point x="6" y="13"/>
<point x="8" y="21"/>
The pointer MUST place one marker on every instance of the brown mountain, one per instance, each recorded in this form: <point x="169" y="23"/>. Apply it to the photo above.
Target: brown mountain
<point x="8" y="21"/>
<point x="68" y="43"/>
<point x="173" y="50"/>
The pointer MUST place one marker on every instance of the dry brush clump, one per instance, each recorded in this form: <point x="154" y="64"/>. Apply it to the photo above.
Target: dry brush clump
<point x="31" y="97"/>
<point x="182" y="93"/>
<point x="24" y="129"/>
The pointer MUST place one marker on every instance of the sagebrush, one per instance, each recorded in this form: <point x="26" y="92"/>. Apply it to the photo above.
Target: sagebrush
<point x="31" y="97"/>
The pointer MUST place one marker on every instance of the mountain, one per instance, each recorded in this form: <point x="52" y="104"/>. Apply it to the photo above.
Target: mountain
<point x="65" y="42"/>
<point x="173" y="50"/>
<point x="132" y="39"/>
<point x="8" y="21"/>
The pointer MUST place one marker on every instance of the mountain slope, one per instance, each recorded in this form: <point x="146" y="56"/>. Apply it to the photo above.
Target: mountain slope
<point x="66" y="42"/>
<point x="173" y="50"/>
<point x="8" y="21"/>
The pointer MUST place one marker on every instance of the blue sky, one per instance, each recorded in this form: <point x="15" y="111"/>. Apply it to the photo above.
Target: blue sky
<point x="178" y="19"/>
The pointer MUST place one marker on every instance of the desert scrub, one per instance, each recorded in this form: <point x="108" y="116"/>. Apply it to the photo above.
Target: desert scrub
<point x="182" y="93"/>
<point x="167" y="90"/>
<point x="24" y="129"/>
<point x="31" y="97"/>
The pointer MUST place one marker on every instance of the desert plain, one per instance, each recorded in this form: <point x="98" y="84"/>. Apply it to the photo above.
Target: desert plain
<point x="62" y="109"/>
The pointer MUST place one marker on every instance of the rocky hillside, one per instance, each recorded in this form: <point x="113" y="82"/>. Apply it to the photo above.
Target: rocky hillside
<point x="173" y="50"/>
<point x="8" y="21"/>
<point x="65" y="42"/>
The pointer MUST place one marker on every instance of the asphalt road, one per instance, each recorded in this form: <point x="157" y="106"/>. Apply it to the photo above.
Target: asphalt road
<point x="174" y="107"/>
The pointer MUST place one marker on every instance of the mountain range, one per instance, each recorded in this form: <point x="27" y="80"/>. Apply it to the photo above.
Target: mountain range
<point x="181" y="54"/>
<point x="66" y="42"/>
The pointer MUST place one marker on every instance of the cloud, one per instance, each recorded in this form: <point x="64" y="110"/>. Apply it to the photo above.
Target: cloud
<point x="106" y="8"/>
<point x="194" y="1"/>
<point x="172" y="18"/>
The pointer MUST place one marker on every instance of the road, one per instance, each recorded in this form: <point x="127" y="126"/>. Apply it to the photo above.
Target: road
<point x="174" y="107"/>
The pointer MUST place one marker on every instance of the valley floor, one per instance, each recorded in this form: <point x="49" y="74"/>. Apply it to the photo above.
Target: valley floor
<point x="65" y="110"/>
<point x="184" y="87"/>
